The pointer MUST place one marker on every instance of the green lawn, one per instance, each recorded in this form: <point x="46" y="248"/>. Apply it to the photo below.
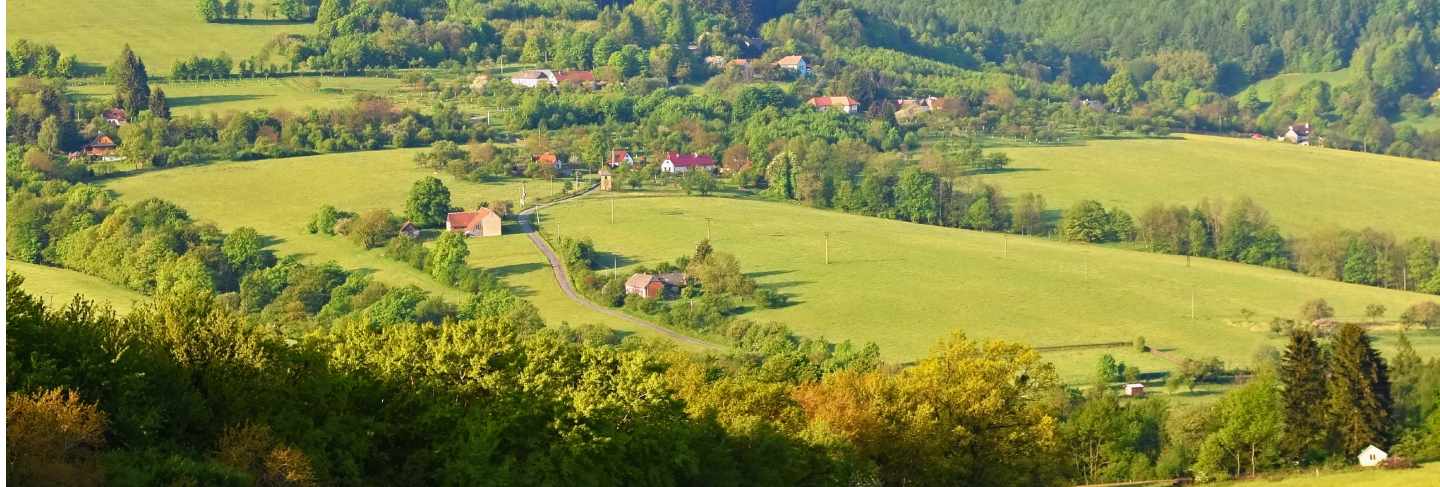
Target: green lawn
<point x="58" y="286"/>
<point x="1304" y="188"/>
<point x="1428" y="475"/>
<point x="276" y="197"/>
<point x="904" y="285"/>
<point x="159" y="31"/>
<point x="294" y="94"/>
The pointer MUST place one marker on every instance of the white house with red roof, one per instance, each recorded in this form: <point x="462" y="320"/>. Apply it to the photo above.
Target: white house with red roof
<point x="482" y="222"/>
<point x="676" y="162"/>
<point x="798" y="64"/>
<point x="620" y="157"/>
<point x="534" y="77"/>
<point x="842" y="104"/>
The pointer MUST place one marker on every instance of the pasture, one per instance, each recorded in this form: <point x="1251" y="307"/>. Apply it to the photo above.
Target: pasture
<point x="1428" y="475"/>
<point x="1268" y="89"/>
<point x="294" y="94"/>
<point x="57" y="286"/>
<point x="904" y="285"/>
<point x="1304" y="188"/>
<point x="159" y="31"/>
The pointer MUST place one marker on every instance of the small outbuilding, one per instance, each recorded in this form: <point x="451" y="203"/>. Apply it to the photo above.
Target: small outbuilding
<point x="607" y="179"/>
<point x="1372" y="456"/>
<point x="1135" y="390"/>
<point x="409" y="230"/>
<point x="479" y="223"/>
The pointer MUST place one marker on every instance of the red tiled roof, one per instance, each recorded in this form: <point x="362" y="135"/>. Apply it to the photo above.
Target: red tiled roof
<point x="790" y="60"/>
<point x="113" y="114"/>
<point x="546" y="159"/>
<point x="688" y="160"/>
<point x="573" y="76"/>
<point x="619" y="155"/>
<point x="467" y="219"/>
<point x="833" y="101"/>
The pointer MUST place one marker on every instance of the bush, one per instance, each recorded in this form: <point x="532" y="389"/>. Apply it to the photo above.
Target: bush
<point x="1424" y="313"/>
<point x="1397" y="463"/>
<point x="1140" y="344"/>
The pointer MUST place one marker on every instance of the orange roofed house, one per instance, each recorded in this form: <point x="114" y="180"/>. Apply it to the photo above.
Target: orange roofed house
<point x="798" y="64"/>
<point x="843" y="104"/>
<point x="479" y="223"/>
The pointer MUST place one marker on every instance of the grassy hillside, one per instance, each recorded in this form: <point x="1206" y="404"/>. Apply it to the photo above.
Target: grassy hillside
<point x="1305" y="188"/>
<point x="160" y="31"/>
<point x="294" y="94"/>
<point x="1267" y="89"/>
<point x="276" y="197"/>
<point x="1428" y="475"/>
<point x="904" y="286"/>
<point x="58" y="286"/>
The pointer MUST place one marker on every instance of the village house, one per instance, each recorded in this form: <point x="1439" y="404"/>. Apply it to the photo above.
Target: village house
<point x="409" y="230"/>
<point x="115" y="116"/>
<point x="101" y="147"/>
<point x="535" y="77"/>
<point x="653" y="286"/>
<point x="1298" y="134"/>
<point x="796" y="64"/>
<point x="620" y="157"/>
<point x="676" y="162"/>
<point x="1372" y="456"/>
<point x="746" y="67"/>
<point x="842" y="104"/>
<point x="1135" y="390"/>
<point x="479" y="223"/>
<point x="549" y="160"/>
<point x="644" y="285"/>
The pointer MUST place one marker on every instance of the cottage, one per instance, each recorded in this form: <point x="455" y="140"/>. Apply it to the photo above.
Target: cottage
<point x="746" y="67"/>
<point x="102" y="147"/>
<point x="607" y="180"/>
<point x="409" y="230"/>
<point x="798" y="64"/>
<point x="535" y="77"/>
<point x="1135" y="390"/>
<point x="619" y="157"/>
<point x="115" y="116"/>
<point x="549" y="160"/>
<point x="673" y="279"/>
<point x="678" y="163"/>
<point x="842" y="104"/>
<point x="1298" y="134"/>
<point x="479" y="223"/>
<point x="1372" y="456"/>
<point x="584" y="78"/>
<point x="647" y="286"/>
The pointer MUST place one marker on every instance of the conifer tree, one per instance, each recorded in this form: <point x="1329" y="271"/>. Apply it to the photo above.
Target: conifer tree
<point x="1302" y="372"/>
<point x="158" y="105"/>
<point x="1358" y="400"/>
<point x="132" y="85"/>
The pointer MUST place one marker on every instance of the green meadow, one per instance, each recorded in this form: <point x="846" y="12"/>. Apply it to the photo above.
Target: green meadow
<point x="1267" y="89"/>
<point x="1304" y="188"/>
<point x="293" y="94"/>
<point x="58" y="286"/>
<point x="1428" y="475"/>
<point x="159" y="31"/>
<point x="904" y="285"/>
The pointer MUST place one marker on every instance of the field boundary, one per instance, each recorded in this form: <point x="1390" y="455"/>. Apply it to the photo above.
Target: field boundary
<point x="1082" y="346"/>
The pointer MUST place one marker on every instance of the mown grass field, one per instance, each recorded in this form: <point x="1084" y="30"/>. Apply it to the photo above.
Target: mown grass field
<point x="159" y="31"/>
<point x="1304" y="188"/>
<point x="1428" y="475"/>
<point x="294" y="94"/>
<point x="58" y="286"/>
<point x="904" y="286"/>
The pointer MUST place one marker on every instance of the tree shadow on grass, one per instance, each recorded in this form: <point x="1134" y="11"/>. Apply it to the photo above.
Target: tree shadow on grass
<point x="757" y="275"/>
<point x="1006" y="170"/>
<point x="611" y="260"/>
<point x="182" y="101"/>
<point x="514" y="269"/>
<point x="262" y="22"/>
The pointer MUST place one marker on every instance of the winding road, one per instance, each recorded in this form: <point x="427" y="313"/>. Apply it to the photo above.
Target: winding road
<point x="562" y="278"/>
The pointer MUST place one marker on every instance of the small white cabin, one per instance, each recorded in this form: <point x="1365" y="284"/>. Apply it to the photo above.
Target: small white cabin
<point x="1372" y="456"/>
<point x="1135" y="390"/>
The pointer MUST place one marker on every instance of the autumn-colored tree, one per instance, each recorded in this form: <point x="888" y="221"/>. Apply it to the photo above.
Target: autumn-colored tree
<point x="53" y="438"/>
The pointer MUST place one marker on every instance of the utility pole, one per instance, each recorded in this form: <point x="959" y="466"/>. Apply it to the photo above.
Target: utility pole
<point x="612" y="209"/>
<point x="1187" y="260"/>
<point x="707" y="228"/>
<point x="827" y="248"/>
<point x="1004" y="245"/>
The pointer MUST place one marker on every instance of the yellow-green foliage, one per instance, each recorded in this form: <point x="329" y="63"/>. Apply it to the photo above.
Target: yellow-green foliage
<point x="1304" y="188"/>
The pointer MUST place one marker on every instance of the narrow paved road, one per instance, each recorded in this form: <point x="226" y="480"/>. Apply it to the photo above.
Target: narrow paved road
<point x="563" y="279"/>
